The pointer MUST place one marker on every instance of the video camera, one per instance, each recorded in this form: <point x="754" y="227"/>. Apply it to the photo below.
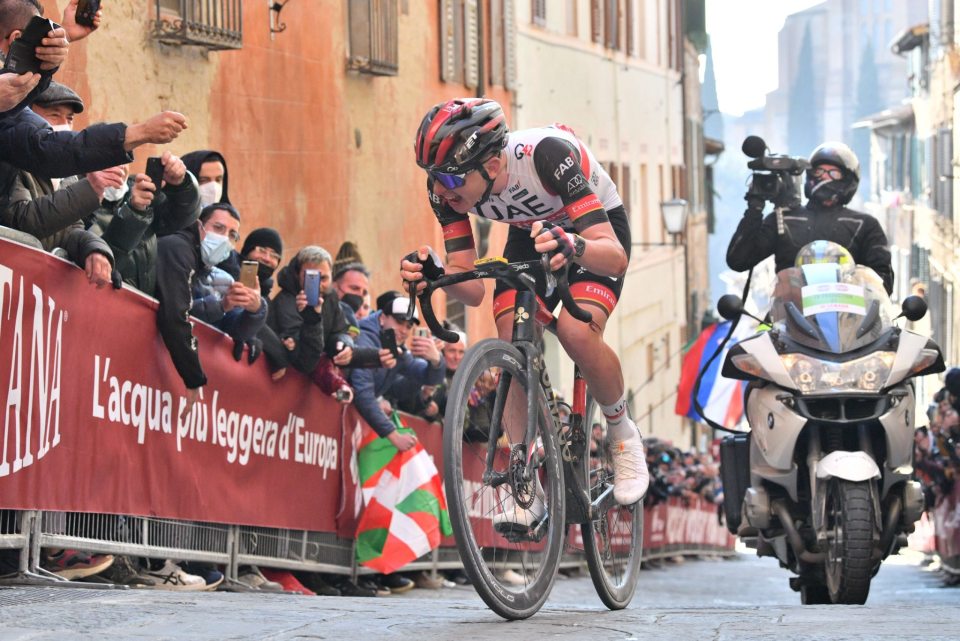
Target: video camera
<point x="776" y="178"/>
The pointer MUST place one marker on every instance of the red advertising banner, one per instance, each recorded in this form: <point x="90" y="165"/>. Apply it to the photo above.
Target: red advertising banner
<point x="676" y="523"/>
<point x="91" y="413"/>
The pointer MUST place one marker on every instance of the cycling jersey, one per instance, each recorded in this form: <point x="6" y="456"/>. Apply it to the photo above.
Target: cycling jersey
<point x="552" y="176"/>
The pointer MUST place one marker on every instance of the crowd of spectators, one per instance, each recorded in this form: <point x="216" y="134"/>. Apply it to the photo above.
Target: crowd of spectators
<point x="173" y="233"/>
<point x="936" y="458"/>
<point x="684" y="475"/>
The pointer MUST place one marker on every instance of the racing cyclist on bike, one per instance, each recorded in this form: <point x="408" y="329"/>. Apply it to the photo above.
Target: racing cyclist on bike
<point x="476" y="165"/>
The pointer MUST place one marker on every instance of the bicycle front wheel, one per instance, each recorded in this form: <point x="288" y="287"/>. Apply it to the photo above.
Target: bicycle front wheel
<point x="512" y="563"/>
<point x="613" y="540"/>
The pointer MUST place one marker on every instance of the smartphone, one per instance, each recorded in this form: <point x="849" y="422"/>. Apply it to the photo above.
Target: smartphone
<point x="422" y="332"/>
<point x="388" y="340"/>
<point x="23" y="55"/>
<point x="311" y="287"/>
<point x="248" y="273"/>
<point x="155" y="171"/>
<point x="87" y="11"/>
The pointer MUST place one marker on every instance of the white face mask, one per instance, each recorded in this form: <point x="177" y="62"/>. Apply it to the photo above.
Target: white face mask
<point x="67" y="127"/>
<point x="210" y="193"/>
<point x="115" y="194"/>
<point x="214" y="249"/>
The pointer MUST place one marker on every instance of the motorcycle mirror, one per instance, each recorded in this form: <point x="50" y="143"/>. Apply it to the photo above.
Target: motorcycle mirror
<point x="730" y="307"/>
<point x="913" y="308"/>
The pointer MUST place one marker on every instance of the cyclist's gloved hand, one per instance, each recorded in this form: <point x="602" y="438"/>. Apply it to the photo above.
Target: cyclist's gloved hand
<point x="553" y="240"/>
<point x="432" y="265"/>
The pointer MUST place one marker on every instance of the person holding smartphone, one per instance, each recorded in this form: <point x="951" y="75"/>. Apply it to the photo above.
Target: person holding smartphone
<point x="404" y="371"/>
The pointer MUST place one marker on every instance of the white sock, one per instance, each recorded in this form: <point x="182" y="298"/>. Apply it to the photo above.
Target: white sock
<point x="619" y="425"/>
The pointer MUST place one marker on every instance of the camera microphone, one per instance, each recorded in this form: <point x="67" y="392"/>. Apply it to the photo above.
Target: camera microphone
<point x="754" y="146"/>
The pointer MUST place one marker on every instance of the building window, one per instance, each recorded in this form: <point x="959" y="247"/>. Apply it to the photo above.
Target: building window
<point x="572" y="18"/>
<point x="502" y="49"/>
<point x="629" y="27"/>
<point x="213" y="24"/>
<point x="611" y="24"/>
<point x="539" y="10"/>
<point x="373" y="37"/>
<point x="596" y="21"/>
<point x="623" y="187"/>
<point x="641" y="14"/>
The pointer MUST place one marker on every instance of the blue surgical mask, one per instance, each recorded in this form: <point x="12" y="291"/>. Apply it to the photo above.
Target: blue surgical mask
<point x="214" y="249"/>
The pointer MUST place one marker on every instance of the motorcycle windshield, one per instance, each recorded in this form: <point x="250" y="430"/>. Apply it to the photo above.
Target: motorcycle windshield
<point x="830" y="307"/>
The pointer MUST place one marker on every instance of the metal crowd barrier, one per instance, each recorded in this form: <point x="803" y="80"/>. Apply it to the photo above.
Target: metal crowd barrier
<point x="231" y="546"/>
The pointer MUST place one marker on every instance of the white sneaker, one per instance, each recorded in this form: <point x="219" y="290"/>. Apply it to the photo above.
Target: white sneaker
<point x="520" y="517"/>
<point x="171" y="577"/>
<point x="254" y="578"/>
<point x="631" y="477"/>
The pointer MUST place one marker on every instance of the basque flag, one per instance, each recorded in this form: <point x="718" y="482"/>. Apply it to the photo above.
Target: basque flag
<point x="721" y="398"/>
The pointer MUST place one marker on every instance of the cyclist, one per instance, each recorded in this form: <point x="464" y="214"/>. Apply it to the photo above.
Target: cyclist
<point x="476" y="165"/>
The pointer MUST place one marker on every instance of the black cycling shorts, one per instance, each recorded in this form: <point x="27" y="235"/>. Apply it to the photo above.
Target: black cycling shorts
<point x="587" y="288"/>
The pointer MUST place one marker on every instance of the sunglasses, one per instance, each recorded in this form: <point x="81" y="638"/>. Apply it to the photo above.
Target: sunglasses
<point x="836" y="174"/>
<point x="449" y="181"/>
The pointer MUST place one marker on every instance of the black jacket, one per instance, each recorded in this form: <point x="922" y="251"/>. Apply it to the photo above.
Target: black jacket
<point x="132" y="234"/>
<point x="27" y="142"/>
<point x="313" y="333"/>
<point x="178" y="267"/>
<point x="756" y="238"/>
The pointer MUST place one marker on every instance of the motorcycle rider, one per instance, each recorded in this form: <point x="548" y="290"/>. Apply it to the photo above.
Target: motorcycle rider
<point x="831" y="181"/>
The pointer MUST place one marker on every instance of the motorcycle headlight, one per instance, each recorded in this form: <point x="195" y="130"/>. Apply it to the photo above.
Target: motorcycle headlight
<point x="814" y="376"/>
<point x="748" y="363"/>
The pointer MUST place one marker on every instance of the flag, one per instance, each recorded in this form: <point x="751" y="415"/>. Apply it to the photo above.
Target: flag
<point x="721" y="398"/>
<point x="406" y="512"/>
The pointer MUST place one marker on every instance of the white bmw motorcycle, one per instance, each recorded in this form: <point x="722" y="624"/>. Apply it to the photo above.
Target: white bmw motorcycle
<point x="823" y="479"/>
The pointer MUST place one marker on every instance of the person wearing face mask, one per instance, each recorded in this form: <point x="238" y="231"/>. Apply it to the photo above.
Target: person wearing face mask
<point x="352" y="282"/>
<point x="210" y="168"/>
<point x="181" y="258"/>
<point x="264" y="246"/>
<point x="132" y="216"/>
<point x="830" y="183"/>
<point x="52" y="209"/>
<point x="218" y="299"/>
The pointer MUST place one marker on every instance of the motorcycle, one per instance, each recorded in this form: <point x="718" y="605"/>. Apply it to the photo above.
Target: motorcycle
<point x="823" y="480"/>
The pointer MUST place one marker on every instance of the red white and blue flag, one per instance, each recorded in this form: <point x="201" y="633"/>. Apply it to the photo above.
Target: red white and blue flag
<point x="721" y="398"/>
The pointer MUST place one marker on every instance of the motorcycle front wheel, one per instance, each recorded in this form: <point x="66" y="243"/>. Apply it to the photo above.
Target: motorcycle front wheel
<point x="850" y="524"/>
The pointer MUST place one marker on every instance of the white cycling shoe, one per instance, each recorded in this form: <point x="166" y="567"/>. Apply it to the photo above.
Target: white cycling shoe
<point x="631" y="477"/>
<point x="519" y="518"/>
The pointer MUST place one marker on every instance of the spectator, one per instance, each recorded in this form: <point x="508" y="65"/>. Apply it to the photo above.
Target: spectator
<point x="298" y="335"/>
<point x="181" y="257"/>
<point x="218" y="299"/>
<point x="265" y="246"/>
<point x="14" y="17"/>
<point x="210" y="168"/>
<point x="52" y="211"/>
<point x="431" y="403"/>
<point x="421" y="365"/>
<point x="364" y="311"/>
<point x="133" y="216"/>
<point x="351" y="281"/>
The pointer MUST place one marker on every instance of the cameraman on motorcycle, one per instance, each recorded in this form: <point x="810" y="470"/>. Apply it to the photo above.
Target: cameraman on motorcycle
<point x="831" y="181"/>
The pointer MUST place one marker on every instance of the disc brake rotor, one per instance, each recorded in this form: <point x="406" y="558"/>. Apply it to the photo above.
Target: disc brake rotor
<point x="523" y="492"/>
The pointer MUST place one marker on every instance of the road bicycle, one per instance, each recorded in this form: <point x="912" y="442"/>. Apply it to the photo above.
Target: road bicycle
<point x="566" y="467"/>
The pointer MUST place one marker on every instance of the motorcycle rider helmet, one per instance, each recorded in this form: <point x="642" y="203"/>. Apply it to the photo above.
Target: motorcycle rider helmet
<point x="457" y="137"/>
<point x="824" y="251"/>
<point x="829" y="190"/>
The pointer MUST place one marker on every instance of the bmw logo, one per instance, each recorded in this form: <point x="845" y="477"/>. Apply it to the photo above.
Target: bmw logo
<point x="770" y="420"/>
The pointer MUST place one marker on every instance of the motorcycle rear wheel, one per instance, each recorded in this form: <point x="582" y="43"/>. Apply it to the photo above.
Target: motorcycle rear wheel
<point x="850" y="524"/>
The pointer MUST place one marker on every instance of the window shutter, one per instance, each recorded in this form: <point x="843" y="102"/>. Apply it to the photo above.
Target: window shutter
<point x="509" y="45"/>
<point x="496" y="48"/>
<point x="471" y="48"/>
<point x="596" y="21"/>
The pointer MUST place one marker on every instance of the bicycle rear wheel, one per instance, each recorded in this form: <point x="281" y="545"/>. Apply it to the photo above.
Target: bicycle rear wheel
<point x="613" y="541"/>
<point x="512" y="569"/>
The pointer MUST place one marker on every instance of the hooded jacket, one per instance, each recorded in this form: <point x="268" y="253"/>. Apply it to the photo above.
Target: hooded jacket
<point x="178" y="269"/>
<point x="756" y="238"/>
<point x="53" y="216"/>
<point x="132" y="234"/>
<point x="194" y="161"/>
<point x="404" y="380"/>
<point x="313" y="333"/>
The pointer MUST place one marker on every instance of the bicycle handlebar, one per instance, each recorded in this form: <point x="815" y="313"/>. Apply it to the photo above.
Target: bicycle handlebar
<point x="508" y="272"/>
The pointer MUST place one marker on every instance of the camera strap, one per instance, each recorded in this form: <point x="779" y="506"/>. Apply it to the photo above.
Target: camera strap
<point x="723" y="344"/>
<point x="781" y="230"/>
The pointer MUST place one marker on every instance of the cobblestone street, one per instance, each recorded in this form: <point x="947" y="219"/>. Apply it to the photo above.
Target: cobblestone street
<point x="743" y="598"/>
